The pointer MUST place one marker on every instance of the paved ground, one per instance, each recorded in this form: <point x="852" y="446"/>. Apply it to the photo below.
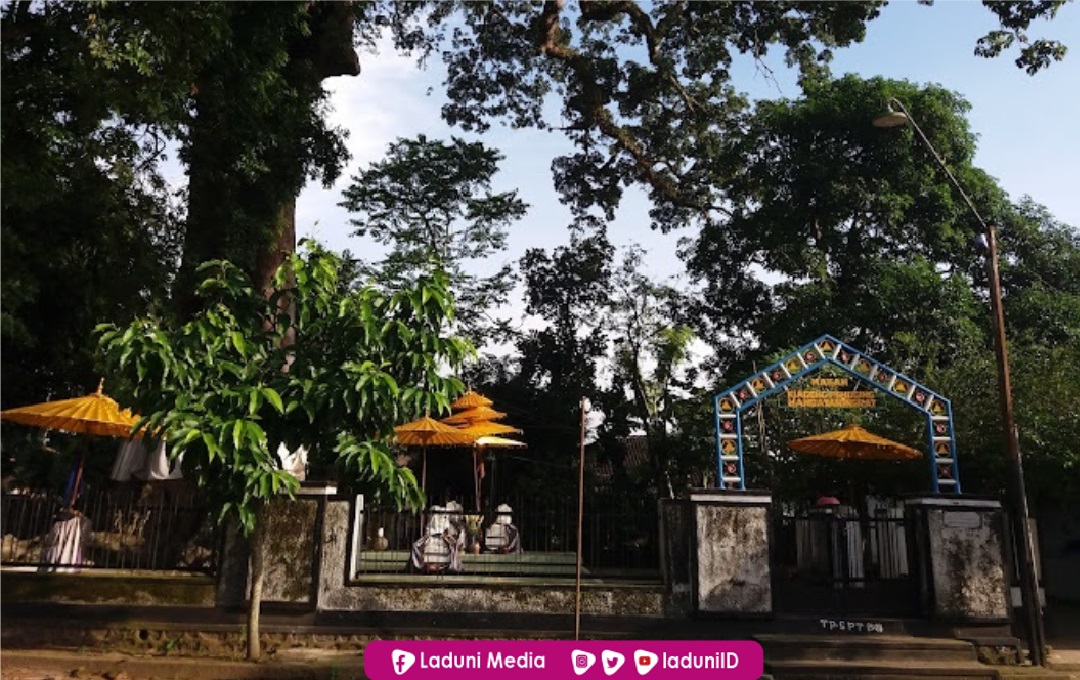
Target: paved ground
<point x="1062" y="627"/>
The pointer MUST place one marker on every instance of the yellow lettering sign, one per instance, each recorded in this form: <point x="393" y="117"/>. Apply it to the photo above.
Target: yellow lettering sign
<point x="822" y="399"/>
<point x="829" y="382"/>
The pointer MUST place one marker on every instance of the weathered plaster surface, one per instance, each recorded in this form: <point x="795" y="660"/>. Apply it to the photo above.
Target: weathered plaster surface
<point x="521" y="599"/>
<point x="290" y="550"/>
<point x="232" y="569"/>
<point x="335" y="553"/>
<point x="967" y="563"/>
<point x="288" y="558"/>
<point x="733" y="572"/>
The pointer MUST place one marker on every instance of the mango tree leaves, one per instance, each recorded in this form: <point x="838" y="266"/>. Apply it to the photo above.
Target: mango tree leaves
<point x="240" y="378"/>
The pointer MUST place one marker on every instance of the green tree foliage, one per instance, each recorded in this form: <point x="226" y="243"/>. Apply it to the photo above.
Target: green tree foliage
<point x="88" y="229"/>
<point x="646" y="90"/>
<point x="225" y="388"/>
<point x="241" y="377"/>
<point x="856" y="219"/>
<point x="566" y="290"/>
<point x="651" y="356"/>
<point x="862" y="236"/>
<point x="431" y="202"/>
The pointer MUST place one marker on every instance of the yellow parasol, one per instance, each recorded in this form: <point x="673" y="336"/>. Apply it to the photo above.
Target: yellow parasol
<point x="483" y="428"/>
<point x="470" y="400"/>
<point x="853" y="443"/>
<point x="473" y="415"/>
<point x="92" y="414"/>
<point x="427" y="432"/>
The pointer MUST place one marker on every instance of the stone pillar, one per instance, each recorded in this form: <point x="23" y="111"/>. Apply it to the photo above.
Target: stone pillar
<point x="730" y="553"/>
<point x="342" y="535"/>
<point x="960" y="558"/>
<point x="292" y="557"/>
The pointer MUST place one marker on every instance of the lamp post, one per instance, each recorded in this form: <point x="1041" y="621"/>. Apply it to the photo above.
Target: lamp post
<point x="1029" y="587"/>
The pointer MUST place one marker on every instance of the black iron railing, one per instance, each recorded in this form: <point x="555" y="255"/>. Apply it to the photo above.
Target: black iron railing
<point x="149" y="528"/>
<point x="826" y="562"/>
<point x="527" y="542"/>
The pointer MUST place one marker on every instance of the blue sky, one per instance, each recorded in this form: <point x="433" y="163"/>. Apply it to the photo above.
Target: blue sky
<point x="1025" y="124"/>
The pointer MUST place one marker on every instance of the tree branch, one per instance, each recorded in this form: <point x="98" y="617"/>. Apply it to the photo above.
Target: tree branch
<point x="548" y="42"/>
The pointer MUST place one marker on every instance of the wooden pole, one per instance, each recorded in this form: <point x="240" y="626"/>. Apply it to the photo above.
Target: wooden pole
<point x="580" y="521"/>
<point x="78" y="477"/>
<point x="476" y="476"/>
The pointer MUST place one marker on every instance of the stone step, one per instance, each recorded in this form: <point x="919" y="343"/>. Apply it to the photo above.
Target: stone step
<point x="873" y="670"/>
<point x="881" y="648"/>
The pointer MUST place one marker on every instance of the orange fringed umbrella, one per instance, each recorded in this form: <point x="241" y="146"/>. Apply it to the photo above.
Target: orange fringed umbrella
<point x="470" y="400"/>
<point x="92" y="414"/>
<point x="484" y="428"/>
<point x="427" y="432"/>
<point x="473" y="415"/>
<point x="476" y="419"/>
<point x="853" y="443"/>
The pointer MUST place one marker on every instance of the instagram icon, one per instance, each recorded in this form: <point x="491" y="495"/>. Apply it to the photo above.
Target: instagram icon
<point x="582" y="661"/>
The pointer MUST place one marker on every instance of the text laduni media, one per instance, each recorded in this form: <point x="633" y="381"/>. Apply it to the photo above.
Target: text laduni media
<point x="494" y="660"/>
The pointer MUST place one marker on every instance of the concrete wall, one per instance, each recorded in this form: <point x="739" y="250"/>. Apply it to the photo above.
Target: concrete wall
<point x="731" y="545"/>
<point x="963" y="557"/>
<point x="291" y="559"/>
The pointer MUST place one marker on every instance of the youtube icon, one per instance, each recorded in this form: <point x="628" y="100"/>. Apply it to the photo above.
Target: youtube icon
<point x="644" y="661"/>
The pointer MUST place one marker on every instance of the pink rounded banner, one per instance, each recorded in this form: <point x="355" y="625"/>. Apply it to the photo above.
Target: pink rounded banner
<point x="557" y="659"/>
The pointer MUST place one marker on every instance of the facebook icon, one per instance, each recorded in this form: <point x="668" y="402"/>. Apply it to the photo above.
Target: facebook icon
<point x="403" y="661"/>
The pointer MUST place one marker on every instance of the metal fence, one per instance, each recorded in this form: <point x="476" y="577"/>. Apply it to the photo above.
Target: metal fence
<point x="529" y="541"/>
<point x="151" y="527"/>
<point x="827" y="563"/>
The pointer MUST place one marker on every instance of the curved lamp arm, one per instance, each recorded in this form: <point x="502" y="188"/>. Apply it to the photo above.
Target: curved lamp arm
<point x="910" y="119"/>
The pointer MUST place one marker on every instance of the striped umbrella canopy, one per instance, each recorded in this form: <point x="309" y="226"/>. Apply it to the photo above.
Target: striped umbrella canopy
<point x="427" y="432"/>
<point x="470" y="400"/>
<point x="853" y="443"/>
<point x="474" y="414"/>
<point x="92" y="414"/>
<point x="482" y="428"/>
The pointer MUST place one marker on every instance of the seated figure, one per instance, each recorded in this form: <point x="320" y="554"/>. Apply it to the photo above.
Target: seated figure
<point x="456" y="519"/>
<point x="437" y="551"/>
<point x="502" y="536"/>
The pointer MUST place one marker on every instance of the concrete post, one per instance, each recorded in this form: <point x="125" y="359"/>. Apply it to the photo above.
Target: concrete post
<point x="960" y="558"/>
<point x="292" y="559"/>
<point x="730" y="553"/>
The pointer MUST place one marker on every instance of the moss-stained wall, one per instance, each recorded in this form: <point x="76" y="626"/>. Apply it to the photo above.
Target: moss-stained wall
<point x="290" y="550"/>
<point x="88" y="587"/>
<point x="732" y="572"/>
<point x="967" y="566"/>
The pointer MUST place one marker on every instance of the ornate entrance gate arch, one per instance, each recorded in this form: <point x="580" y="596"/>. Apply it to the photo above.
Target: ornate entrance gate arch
<point x="730" y="405"/>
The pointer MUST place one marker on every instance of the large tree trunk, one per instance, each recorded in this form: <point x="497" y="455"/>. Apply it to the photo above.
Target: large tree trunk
<point x="224" y="214"/>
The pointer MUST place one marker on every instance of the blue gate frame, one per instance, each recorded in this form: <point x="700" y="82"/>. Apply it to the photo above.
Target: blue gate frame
<point x="827" y="350"/>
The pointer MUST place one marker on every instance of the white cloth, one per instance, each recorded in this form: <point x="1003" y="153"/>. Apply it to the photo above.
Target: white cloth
<point x="133" y="460"/>
<point x="294" y="462"/>
<point x="504" y="514"/>
<point x="65" y="544"/>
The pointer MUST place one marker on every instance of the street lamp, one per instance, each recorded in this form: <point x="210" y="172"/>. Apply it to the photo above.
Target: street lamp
<point x="1017" y="493"/>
